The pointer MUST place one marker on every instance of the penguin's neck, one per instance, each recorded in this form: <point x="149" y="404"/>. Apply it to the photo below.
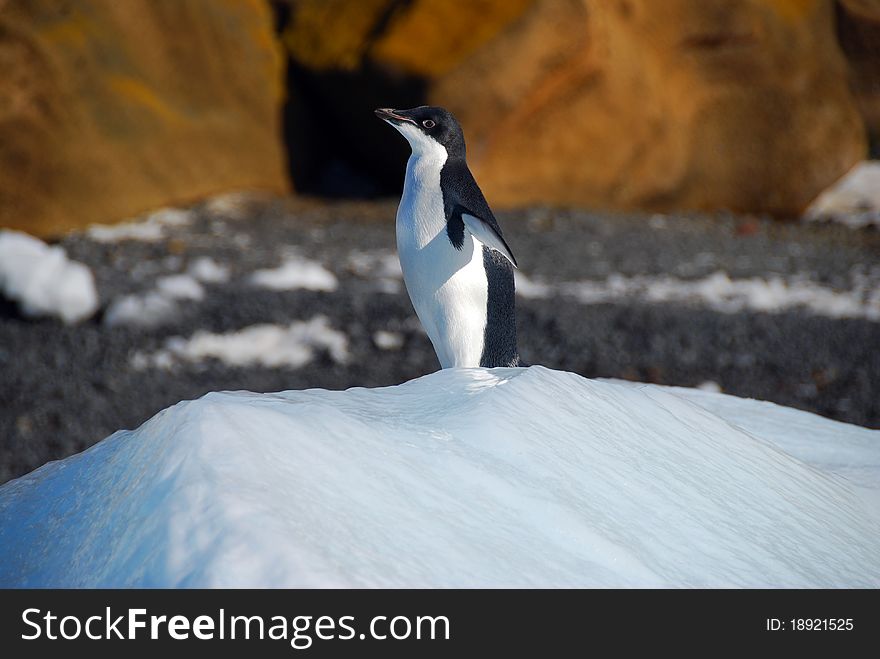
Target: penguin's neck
<point x="421" y="206"/>
<point x="424" y="167"/>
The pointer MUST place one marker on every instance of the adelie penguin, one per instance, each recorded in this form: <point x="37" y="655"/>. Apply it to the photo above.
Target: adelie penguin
<point x="457" y="267"/>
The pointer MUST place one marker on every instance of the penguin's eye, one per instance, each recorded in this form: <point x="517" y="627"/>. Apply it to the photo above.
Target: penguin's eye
<point x="427" y="123"/>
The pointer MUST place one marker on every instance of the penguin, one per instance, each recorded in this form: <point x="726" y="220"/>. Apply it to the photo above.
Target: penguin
<point x="457" y="267"/>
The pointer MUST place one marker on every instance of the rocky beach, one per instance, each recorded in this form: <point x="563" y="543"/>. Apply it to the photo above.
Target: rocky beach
<point x="192" y="300"/>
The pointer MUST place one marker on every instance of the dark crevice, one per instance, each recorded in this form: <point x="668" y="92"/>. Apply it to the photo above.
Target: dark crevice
<point x="335" y="145"/>
<point x="859" y="39"/>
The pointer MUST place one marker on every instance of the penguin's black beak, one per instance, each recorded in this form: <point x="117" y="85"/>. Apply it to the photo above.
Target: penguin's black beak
<point x="393" y="116"/>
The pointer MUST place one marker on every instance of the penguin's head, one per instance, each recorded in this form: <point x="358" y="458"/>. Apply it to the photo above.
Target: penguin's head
<point x="425" y="127"/>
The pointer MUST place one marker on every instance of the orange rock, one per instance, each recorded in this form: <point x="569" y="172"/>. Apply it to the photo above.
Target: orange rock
<point x="706" y="104"/>
<point x="109" y="109"/>
<point x="683" y="104"/>
<point x="420" y="40"/>
<point x="421" y="37"/>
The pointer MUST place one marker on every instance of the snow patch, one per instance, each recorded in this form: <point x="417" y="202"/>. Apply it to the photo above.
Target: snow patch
<point x="151" y="228"/>
<point x="43" y="280"/>
<point x="720" y="292"/>
<point x="273" y="346"/>
<point x="388" y="340"/>
<point x="148" y="310"/>
<point x="463" y="478"/>
<point x="232" y="205"/>
<point x="531" y="289"/>
<point x="854" y="200"/>
<point x="155" y="307"/>
<point x="379" y="263"/>
<point x="381" y="266"/>
<point x="296" y="272"/>
<point x="208" y="271"/>
<point x="180" y="287"/>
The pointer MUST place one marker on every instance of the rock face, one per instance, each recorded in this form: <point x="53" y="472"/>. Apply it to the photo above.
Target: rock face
<point x="681" y="104"/>
<point x="421" y="37"/>
<point x="616" y="103"/>
<point x="108" y="109"/>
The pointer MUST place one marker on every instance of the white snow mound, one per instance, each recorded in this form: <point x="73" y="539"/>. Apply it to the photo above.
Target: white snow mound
<point x="470" y="477"/>
<point x="43" y="280"/>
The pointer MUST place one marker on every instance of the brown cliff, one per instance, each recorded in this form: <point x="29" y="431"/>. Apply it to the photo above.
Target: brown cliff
<point x="108" y="109"/>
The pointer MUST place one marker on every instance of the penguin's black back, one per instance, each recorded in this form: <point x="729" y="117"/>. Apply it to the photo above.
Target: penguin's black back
<point x="499" y="337"/>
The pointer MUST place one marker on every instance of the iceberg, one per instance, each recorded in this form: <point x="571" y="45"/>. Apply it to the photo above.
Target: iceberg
<point x="521" y="477"/>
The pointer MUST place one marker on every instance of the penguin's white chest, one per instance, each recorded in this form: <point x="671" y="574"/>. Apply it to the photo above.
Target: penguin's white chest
<point x="448" y="287"/>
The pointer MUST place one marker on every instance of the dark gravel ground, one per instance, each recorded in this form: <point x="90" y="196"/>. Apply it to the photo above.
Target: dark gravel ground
<point x="62" y="388"/>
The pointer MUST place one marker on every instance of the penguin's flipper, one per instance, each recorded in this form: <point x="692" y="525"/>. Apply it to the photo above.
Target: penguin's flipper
<point x="488" y="235"/>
